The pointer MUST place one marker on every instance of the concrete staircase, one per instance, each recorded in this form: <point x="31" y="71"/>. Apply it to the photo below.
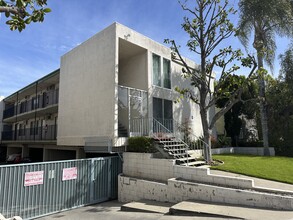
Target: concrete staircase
<point x="174" y="148"/>
<point x="122" y="131"/>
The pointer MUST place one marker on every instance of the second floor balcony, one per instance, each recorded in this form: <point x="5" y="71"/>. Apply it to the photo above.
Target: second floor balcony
<point x="45" y="133"/>
<point x="36" y="104"/>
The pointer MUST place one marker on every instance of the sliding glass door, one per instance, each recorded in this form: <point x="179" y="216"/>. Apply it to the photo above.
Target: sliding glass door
<point x="163" y="112"/>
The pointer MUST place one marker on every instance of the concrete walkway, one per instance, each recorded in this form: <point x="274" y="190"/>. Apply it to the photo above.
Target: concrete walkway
<point x="111" y="211"/>
<point x="190" y="210"/>
<point x="257" y="181"/>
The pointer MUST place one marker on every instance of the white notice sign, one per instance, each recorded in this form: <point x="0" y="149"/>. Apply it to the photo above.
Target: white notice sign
<point x="33" y="178"/>
<point x="69" y="173"/>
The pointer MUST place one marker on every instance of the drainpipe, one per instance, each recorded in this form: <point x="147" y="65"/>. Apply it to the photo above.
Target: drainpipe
<point x="129" y="110"/>
<point x="37" y="101"/>
<point x="16" y="111"/>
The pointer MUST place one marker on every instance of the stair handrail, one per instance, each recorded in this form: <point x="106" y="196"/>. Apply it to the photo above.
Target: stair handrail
<point x="166" y="130"/>
<point x="194" y="140"/>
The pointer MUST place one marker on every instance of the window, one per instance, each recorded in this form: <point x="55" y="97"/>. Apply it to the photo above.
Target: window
<point x="168" y="109"/>
<point x="32" y="126"/>
<point x="21" y="131"/>
<point x="34" y="103"/>
<point x="156" y="70"/>
<point x="23" y="107"/>
<point x="157" y="108"/>
<point x="37" y="127"/>
<point x="166" y="72"/>
<point x="163" y="112"/>
<point x="159" y="79"/>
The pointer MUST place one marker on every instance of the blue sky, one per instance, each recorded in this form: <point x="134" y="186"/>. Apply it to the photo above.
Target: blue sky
<point x="35" y="52"/>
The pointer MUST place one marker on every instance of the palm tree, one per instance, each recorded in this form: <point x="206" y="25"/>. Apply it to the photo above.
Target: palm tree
<point x="265" y="20"/>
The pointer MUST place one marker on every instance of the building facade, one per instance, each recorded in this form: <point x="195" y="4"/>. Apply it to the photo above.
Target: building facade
<point x="108" y="88"/>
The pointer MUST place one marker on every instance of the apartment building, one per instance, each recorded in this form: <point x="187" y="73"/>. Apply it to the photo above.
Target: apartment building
<point x="108" y="88"/>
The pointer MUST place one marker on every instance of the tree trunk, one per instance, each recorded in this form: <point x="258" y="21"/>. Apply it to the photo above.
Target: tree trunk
<point x="263" y="108"/>
<point x="206" y="135"/>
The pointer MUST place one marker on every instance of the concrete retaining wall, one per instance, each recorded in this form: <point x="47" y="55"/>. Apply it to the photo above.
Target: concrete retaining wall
<point x="149" y="178"/>
<point x="143" y="166"/>
<point x="133" y="189"/>
<point x="243" y="150"/>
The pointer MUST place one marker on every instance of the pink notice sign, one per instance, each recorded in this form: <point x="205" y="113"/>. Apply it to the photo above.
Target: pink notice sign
<point x="33" y="178"/>
<point x="69" y="173"/>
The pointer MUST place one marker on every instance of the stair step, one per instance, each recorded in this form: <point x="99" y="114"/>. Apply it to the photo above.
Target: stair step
<point x="204" y="166"/>
<point x="178" y="153"/>
<point x="189" y="159"/>
<point x="171" y="143"/>
<point x="175" y="145"/>
<point x="122" y="131"/>
<point x="182" y="151"/>
<point x="178" y="156"/>
<point x="196" y="163"/>
<point x="165" y="139"/>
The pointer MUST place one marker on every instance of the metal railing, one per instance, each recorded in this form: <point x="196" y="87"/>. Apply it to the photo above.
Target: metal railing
<point x="167" y="128"/>
<point x="37" y="189"/>
<point x="194" y="142"/>
<point x="140" y="127"/>
<point x="29" y="134"/>
<point x="143" y="126"/>
<point x="169" y="139"/>
<point x="41" y="101"/>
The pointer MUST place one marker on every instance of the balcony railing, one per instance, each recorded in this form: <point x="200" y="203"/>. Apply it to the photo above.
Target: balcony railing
<point x="31" y="134"/>
<point x="145" y="126"/>
<point x="41" y="101"/>
<point x="168" y="128"/>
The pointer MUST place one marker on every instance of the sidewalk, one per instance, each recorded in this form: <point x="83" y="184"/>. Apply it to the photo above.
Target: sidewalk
<point x="111" y="211"/>
<point x="257" y="181"/>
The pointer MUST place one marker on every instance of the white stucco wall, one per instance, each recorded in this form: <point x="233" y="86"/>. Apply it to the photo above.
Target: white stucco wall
<point x="89" y="76"/>
<point x="87" y="90"/>
<point x="185" y="110"/>
<point x="133" y="71"/>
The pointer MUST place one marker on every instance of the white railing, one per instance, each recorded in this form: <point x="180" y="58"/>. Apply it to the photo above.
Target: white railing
<point x="140" y="127"/>
<point x="166" y="128"/>
<point x="194" y="142"/>
<point x="165" y="137"/>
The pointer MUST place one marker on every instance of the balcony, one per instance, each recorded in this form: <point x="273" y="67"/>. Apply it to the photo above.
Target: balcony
<point x="46" y="103"/>
<point x="46" y="133"/>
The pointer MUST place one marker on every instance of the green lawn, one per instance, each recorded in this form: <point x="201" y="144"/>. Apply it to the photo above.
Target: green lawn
<point x="272" y="168"/>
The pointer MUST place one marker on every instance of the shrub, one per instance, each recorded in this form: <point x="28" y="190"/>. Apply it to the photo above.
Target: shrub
<point x="141" y="145"/>
<point x="283" y="149"/>
<point x="222" y="141"/>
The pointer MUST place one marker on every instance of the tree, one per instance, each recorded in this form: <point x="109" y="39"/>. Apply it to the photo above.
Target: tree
<point x="286" y="72"/>
<point x="19" y="13"/>
<point x="264" y="19"/>
<point x="280" y="110"/>
<point x="207" y="25"/>
<point x="246" y="107"/>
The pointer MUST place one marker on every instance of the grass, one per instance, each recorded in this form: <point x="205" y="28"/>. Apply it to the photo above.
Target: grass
<point x="271" y="168"/>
